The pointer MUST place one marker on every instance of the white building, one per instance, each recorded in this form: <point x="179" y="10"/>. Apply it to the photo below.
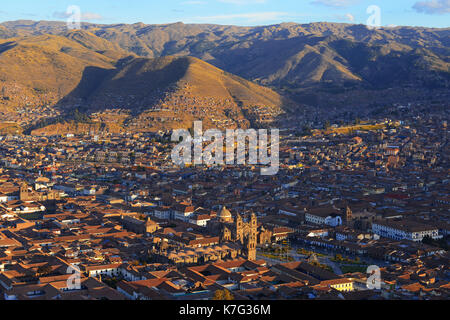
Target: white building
<point x="321" y="218"/>
<point x="404" y="230"/>
<point x="199" y="220"/>
<point x="163" y="213"/>
<point x="104" y="270"/>
<point x="3" y="198"/>
<point x="183" y="213"/>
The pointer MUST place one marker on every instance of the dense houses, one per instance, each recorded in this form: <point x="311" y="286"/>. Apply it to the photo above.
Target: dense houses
<point x="109" y="216"/>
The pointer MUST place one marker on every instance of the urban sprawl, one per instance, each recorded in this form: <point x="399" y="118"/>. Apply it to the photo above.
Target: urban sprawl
<point x="346" y="200"/>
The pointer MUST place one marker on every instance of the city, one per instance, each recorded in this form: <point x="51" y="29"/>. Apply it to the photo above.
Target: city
<point x="225" y="158"/>
<point x="137" y="226"/>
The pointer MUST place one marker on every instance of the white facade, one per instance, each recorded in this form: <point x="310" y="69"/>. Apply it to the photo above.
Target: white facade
<point x="199" y="222"/>
<point x="163" y="214"/>
<point x="108" y="271"/>
<point x="332" y="221"/>
<point x="399" y="233"/>
<point x="183" y="216"/>
<point x="310" y="218"/>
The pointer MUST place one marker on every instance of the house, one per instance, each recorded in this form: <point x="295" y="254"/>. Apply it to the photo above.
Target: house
<point x="344" y="284"/>
<point x="199" y="219"/>
<point x="104" y="270"/>
<point x="139" y="226"/>
<point x="163" y="213"/>
<point x="183" y="212"/>
<point x="323" y="217"/>
<point x="404" y="230"/>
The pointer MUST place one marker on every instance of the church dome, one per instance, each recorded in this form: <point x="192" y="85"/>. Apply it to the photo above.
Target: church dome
<point x="225" y="214"/>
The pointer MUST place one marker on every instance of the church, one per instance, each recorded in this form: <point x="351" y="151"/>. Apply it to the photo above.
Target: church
<point x="26" y="194"/>
<point x="238" y="229"/>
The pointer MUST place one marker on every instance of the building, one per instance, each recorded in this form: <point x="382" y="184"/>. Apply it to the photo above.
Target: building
<point x="343" y="285"/>
<point x="28" y="195"/>
<point x="237" y="230"/>
<point x="183" y="212"/>
<point x="404" y="230"/>
<point x="324" y="217"/>
<point x="139" y="226"/>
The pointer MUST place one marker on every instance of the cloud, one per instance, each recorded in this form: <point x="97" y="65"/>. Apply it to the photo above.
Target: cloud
<point x="350" y="17"/>
<point x="85" y="16"/>
<point x="254" y="17"/>
<point x="432" y="6"/>
<point x="335" y="3"/>
<point x="60" y="15"/>
<point x="91" y="16"/>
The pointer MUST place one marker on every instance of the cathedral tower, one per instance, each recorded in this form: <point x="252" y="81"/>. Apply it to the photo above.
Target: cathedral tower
<point x="239" y="229"/>
<point x="252" y="238"/>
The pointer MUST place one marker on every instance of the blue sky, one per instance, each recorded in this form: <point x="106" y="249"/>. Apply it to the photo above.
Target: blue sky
<point x="429" y="13"/>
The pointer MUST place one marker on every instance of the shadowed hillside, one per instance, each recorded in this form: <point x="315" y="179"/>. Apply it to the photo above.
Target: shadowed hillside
<point x="288" y="55"/>
<point x="36" y="72"/>
<point x="163" y="84"/>
<point x="171" y="92"/>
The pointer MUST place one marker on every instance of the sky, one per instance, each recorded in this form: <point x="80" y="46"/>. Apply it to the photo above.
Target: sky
<point x="428" y="13"/>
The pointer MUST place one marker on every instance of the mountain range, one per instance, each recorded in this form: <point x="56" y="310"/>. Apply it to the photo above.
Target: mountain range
<point x="151" y="69"/>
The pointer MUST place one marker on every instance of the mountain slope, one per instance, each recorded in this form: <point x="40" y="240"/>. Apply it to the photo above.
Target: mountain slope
<point x="172" y="92"/>
<point x="289" y="55"/>
<point x="335" y="66"/>
<point x="51" y="76"/>
<point x="36" y="72"/>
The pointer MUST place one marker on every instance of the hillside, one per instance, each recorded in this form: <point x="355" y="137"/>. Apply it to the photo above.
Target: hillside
<point x="36" y="72"/>
<point x="172" y="92"/>
<point x="289" y="55"/>
<point x="49" y="76"/>
<point x="153" y="77"/>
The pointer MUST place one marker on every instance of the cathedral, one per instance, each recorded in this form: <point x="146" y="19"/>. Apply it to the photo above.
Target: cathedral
<point x="237" y="230"/>
<point x="27" y="195"/>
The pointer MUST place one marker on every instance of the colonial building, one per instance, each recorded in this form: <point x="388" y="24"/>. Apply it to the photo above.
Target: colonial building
<point x="401" y="230"/>
<point x="28" y="195"/>
<point x="237" y="230"/>
<point x="139" y="226"/>
<point x="324" y="217"/>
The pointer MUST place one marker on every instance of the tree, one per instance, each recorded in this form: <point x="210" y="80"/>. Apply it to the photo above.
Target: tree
<point x="427" y="240"/>
<point x="306" y="131"/>
<point x="44" y="270"/>
<point x="135" y="263"/>
<point x="228" y="295"/>
<point x="223" y="295"/>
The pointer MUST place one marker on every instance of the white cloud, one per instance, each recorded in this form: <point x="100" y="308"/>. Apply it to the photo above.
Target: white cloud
<point x="335" y="3"/>
<point x="254" y="17"/>
<point x="85" y="16"/>
<point x="91" y="16"/>
<point x="433" y="6"/>
<point x="350" y="17"/>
